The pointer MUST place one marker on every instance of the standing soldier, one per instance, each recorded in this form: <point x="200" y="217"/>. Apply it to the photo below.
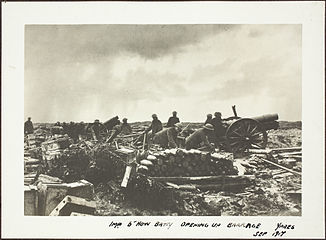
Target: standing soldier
<point x="219" y="129"/>
<point x="95" y="128"/>
<point x="209" y="118"/>
<point x="156" y="125"/>
<point x="125" y="127"/>
<point x="173" y="120"/>
<point x="28" y="126"/>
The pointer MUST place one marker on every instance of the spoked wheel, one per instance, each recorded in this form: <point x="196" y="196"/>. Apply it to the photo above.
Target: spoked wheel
<point x="245" y="134"/>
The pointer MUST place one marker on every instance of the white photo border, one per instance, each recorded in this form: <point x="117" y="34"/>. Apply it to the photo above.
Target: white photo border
<point x="16" y="14"/>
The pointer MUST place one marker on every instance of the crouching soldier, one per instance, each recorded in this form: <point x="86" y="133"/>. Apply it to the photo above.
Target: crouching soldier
<point x="199" y="139"/>
<point x="167" y="138"/>
<point x="123" y="128"/>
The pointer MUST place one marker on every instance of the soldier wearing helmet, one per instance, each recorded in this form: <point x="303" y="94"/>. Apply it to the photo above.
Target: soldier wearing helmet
<point x="209" y="118"/>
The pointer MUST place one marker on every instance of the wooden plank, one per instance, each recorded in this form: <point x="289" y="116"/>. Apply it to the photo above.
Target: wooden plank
<point x="282" y="167"/>
<point x="286" y="149"/>
<point x="259" y="151"/>
<point x="125" y="180"/>
<point x="173" y="185"/>
<point x="130" y="135"/>
<point x="268" y="151"/>
<point x="228" y="178"/>
<point x="116" y="145"/>
<point x="144" y="141"/>
<point x="202" y="177"/>
<point x="290" y="154"/>
<point x="296" y="157"/>
<point x="79" y="214"/>
<point x="219" y="186"/>
<point x="72" y="200"/>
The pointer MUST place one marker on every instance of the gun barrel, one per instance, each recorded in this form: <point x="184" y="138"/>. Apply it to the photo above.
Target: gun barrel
<point x="266" y="118"/>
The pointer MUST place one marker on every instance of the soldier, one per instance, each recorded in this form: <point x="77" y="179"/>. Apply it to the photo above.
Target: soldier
<point x="209" y="118"/>
<point x="95" y="128"/>
<point x="219" y="129"/>
<point x="168" y="137"/>
<point x="199" y="139"/>
<point x="28" y="126"/>
<point x="156" y="125"/>
<point x="125" y="127"/>
<point x="72" y="131"/>
<point x="173" y="120"/>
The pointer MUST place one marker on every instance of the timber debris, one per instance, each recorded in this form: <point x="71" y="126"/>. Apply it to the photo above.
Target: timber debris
<point x="128" y="177"/>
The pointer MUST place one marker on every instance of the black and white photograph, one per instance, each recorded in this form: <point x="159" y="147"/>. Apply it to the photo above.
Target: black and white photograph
<point x="197" y="119"/>
<point x="163" y="119"/>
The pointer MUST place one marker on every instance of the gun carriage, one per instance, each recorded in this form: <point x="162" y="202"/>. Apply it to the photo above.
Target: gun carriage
<point x="248" y="133"/>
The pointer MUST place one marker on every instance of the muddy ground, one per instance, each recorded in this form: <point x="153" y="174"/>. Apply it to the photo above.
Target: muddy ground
<point x="273" y="193"/>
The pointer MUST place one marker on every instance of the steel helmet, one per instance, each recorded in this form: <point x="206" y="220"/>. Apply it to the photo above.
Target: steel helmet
<point x="209" y="127"/>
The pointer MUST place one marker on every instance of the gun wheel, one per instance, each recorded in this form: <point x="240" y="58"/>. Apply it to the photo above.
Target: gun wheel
<point x="246" y="134"/>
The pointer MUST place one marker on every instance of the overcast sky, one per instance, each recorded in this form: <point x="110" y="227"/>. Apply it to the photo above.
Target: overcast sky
<point x="84" y="72"/>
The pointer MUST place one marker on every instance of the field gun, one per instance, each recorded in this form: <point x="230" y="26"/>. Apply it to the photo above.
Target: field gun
<point x="104" y="128"/>
<point x="248" y="133"/>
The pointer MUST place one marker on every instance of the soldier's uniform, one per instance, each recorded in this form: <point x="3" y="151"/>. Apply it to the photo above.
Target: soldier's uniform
<point x="199" y="138"/>
<point x="166" y="138"/>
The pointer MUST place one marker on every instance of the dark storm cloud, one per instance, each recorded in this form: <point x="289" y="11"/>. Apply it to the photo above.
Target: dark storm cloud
<point x="83" y="72"/>
<point x="142" y="85"/>
<point x="46" y="44"/>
